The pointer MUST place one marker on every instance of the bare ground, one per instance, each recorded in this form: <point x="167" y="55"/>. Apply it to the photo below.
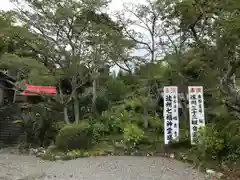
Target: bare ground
<point x="16" y="167"/>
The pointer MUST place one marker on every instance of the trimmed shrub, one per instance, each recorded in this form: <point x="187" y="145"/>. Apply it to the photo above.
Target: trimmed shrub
<point x="74" y="136"/>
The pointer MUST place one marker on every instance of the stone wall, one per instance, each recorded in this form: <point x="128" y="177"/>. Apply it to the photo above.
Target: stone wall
<point x="10" y="133"/>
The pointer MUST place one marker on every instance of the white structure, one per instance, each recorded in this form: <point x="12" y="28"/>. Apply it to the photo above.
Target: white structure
<point x="170" y="114"/>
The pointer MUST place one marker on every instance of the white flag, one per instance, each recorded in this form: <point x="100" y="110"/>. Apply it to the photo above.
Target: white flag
<point x="170" y="114"/>
<point x="196" y="110"/>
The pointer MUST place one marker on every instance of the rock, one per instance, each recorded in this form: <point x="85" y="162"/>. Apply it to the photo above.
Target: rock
<point x="210" y="172"/>
<point x="37" y="151"/>
<point x="58" y="157"/>
<point x="50" y="148"/>
<point x="172" y="155"/>
<point x="219" y="175"/>
<point x="33" y="151"/>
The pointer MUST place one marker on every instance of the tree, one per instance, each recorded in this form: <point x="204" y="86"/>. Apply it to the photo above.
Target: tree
<point x="73" y="39"/>
<point x="213" y="28"/>
<point x="154" y="36"/>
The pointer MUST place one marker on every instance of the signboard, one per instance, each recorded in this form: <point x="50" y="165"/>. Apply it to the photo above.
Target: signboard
<point x="196" y="110"/>
<point x="170" y="114"/>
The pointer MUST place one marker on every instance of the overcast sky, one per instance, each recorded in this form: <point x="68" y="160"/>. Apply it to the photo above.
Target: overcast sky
<point x="115" y="5"/>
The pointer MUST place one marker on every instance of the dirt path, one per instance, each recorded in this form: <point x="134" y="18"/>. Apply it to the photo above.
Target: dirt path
<point x="14" y="167"/>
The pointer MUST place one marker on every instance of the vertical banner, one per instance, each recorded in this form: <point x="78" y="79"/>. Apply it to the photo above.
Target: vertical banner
<point x="170" y="114"/>
<point x="196" y="110"/>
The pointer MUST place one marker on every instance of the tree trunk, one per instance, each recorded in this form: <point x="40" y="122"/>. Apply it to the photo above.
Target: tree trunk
<point x="66" y="119"/>
<point x="1" y="96"/>
<point x="145" y="117"/>
<point x="94" y="92"/>
<point x="75" y="99"/>
<point x="76" y="108"/>
<point x="184" y="105"/>
<point x="228" y="85"/>
<point x="65" y="110"/>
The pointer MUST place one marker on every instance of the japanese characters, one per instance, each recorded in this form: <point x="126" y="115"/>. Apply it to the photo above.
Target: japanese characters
<point x="196" y="110"/>
<point x="170" y="113"/>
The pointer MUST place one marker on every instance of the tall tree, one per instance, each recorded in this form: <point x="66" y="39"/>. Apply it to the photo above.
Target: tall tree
<point x="149" y="28"/>
<point x="73" y="36"/>
<point x="213" y="29"/>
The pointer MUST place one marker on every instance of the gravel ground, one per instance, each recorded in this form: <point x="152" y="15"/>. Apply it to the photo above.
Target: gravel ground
<point x="16" y="167"/>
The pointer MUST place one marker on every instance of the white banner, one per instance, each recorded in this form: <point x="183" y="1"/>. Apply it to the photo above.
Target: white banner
<point x="170" y="114"/>
<point x="196" y="110"/>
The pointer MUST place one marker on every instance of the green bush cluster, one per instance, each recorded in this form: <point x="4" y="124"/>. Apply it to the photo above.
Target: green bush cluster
<point x="119" y="125"/>
<point x="133" y="135"/>
<point x="74" y="136"/>
<point x="210" y="143"/>
<point x="221" y="144"/>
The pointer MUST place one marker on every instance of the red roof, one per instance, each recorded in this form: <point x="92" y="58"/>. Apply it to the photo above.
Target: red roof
<point x="39" y="89"/>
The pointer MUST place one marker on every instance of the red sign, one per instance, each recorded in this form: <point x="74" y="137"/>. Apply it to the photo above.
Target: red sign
<point x="198" y="90"/>
<point x="192" y="90"/>
<point x="39" y="89"/>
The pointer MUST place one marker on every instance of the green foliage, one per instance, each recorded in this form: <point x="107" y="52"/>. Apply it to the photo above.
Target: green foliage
<point x="232" y="142"/>
<point x="74" y="136"/>
<point x="133" y="135"/>
<point x="210" y="144"/>
<point x="134" y="104"/>
<point x="202" y="43"/>
<point x="114" y="120"/>
<point x="98" y="130"/>
<point x="101" y="104"/>
<point x="116" y="90"/>
<point x="156" y="125"/>
<point x="39" y="127"/>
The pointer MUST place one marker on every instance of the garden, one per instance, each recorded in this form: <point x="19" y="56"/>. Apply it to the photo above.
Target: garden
<point x="109" y="98"/>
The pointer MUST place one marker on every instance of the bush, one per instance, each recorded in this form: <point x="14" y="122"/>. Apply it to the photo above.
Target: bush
<point x="51" y="134"/>
<point x="101" y="104"/>
<point x="74" y="136"/>
<point x="116" y="119"/>
<point x="183" y="140"/>
<point x="209" y="143"/>
<point x="98" y="130"/>
<point x="156" y="124"/>
<point x="116" y="89"/>
<point x="133" y="135"/>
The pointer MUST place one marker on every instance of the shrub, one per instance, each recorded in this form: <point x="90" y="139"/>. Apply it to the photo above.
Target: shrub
<point x="74" y="136"/>
<point x="156" y="124"/>
<point x="116" y="119"/>
<point x="113" y="122"/>
<point x="116" y="89"/>
<point x="101" y="104"/>
<point x="98" y="130"/>
<point x="51" y="134"/>
<point x="183" y="140"/>
<point x="132" y="135"/>
<point x="209" y="143"/>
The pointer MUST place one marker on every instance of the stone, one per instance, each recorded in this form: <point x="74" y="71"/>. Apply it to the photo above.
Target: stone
<point x="211" y="173"/>
<point x="172" y="155"/>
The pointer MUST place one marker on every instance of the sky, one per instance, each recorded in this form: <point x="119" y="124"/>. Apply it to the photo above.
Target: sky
<point x="6" y="5"/>
<point x="114" y="6"/>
